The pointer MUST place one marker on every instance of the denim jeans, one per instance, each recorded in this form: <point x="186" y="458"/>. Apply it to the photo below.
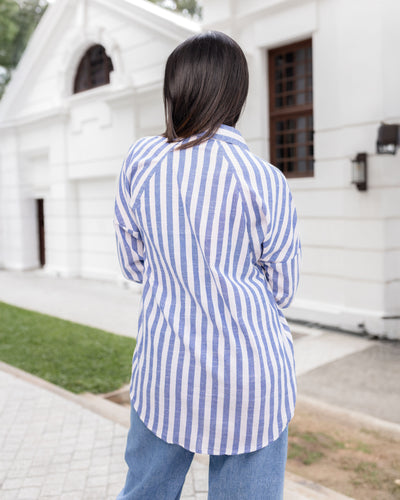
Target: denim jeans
<point x="157" y="469"/>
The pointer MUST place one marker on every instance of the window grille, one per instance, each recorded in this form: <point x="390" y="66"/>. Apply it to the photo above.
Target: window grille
<point x="94" y="69"/>
<point x="291" y="109"/>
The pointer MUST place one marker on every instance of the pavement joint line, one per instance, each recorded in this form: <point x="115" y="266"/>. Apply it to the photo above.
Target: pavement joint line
<point x="312" y="352"/>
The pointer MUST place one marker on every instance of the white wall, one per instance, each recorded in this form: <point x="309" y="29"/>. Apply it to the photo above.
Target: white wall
<point x="350" y="274"/>
<point x="68" y="149"/>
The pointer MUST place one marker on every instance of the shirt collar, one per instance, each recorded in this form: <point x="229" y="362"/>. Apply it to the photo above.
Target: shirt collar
<point x="230" y="135"/>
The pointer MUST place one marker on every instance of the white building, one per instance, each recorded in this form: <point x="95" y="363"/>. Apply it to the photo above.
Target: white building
<point x="323" y="78"/>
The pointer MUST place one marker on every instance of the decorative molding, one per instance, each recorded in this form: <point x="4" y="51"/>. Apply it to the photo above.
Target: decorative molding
<point x="76" y="45"/>
<point x="168" y="24"/>
<point x="244" y="18"/>
<point x="59" y="114"/>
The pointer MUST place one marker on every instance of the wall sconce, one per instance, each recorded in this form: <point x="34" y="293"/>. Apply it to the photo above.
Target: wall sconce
<point x="388" y="139"/>
<point x="359" y="171"/>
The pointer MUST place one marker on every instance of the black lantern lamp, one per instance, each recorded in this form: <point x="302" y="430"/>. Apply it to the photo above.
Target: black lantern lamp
<point x="359" y="171"/>
<point x="388" y="139"/>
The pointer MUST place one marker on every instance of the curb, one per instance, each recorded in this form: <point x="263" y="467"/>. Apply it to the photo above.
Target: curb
<point x="96" y="404"/>
<point x="354" y="417"/>
<point x="298" y="488"/>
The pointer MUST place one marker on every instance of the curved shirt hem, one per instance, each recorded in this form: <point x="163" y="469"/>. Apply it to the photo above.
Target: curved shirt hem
<point x="200" y="451"/>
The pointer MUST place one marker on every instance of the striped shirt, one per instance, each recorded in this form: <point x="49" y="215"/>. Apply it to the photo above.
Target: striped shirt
<point x="211" y="233"/>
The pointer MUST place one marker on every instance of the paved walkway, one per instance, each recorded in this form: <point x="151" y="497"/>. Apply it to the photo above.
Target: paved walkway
<point x="52" y="448"/>
<point x="56" y="445"/>
<point x="59" y="446"/>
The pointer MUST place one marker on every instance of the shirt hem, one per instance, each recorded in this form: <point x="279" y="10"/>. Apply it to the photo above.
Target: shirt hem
<point x="200" y="451"/>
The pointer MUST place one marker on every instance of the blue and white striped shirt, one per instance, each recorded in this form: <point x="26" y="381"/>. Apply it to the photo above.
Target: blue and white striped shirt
<point x="211" y="233"/>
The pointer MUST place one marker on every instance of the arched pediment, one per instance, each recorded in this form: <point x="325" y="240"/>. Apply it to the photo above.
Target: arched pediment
<point x="85" y="55"/>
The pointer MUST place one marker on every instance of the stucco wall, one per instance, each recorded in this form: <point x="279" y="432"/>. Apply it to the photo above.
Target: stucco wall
<point x="68" y="149"/>
<point x="350" y="272"/>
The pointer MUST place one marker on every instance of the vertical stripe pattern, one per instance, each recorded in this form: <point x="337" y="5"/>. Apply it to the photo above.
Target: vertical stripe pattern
<point x="211" y="232"/>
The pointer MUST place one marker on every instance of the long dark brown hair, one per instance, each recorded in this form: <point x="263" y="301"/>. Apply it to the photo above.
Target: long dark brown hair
<point x="205" y="85"/>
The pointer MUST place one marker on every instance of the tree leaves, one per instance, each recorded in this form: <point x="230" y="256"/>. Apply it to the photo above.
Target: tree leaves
<point x="186" y="7"/>
<point x="18" y="19"/>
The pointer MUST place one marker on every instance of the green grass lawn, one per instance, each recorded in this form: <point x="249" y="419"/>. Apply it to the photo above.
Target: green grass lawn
<point x="76" y="357"/>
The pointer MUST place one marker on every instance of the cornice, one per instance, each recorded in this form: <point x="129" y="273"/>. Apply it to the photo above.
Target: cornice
<point x="106" y="93"/>
<point x="154" y="17"/>
<point x="246" y="18"/>
<point x="58" y="113"/>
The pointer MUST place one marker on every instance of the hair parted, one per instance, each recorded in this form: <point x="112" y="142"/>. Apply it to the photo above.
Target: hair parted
<point x="205" y="85"/>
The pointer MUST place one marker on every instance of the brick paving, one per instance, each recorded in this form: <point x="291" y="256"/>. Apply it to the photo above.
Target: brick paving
<point x="54" y="448"/>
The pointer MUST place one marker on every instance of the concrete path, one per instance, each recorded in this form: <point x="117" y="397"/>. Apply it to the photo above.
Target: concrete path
<point x="58" y="445"/>
<point x="75" y="299"/>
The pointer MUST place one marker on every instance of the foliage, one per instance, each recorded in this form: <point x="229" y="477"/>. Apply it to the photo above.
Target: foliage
<point x="18" y="19"/>
<point x="76" y="357"/>
<point x="186" y="7"/>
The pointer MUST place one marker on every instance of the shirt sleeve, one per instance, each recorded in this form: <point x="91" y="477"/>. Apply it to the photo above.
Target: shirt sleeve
<point x="130" y="246"/>
<point x="281" y="248"/>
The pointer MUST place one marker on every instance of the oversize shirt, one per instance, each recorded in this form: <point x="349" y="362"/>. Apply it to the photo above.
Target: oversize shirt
<point x="211" y="233"/>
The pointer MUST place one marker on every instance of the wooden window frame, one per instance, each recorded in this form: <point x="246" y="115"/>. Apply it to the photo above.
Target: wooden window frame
<point x="290" y="112"/>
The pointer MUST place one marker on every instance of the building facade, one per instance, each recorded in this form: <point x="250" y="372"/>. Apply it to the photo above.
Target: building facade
<point x="322" y="79"/>
<point x="88" y="85"/>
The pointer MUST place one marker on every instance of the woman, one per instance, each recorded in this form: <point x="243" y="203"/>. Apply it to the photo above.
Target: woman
<point x="210" y="231"/>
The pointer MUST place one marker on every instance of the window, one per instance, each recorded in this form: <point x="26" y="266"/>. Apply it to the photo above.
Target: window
<point x="93" y="70"/>
<point x="291" y="109"/>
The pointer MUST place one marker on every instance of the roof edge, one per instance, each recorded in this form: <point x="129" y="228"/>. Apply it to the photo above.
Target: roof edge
<point x="161" y="13"/>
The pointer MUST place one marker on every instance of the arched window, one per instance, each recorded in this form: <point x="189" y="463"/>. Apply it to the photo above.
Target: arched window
<point x="94" y="69"/>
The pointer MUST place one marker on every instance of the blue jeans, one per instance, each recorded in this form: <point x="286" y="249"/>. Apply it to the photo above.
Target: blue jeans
<point x="157" y="470"/>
